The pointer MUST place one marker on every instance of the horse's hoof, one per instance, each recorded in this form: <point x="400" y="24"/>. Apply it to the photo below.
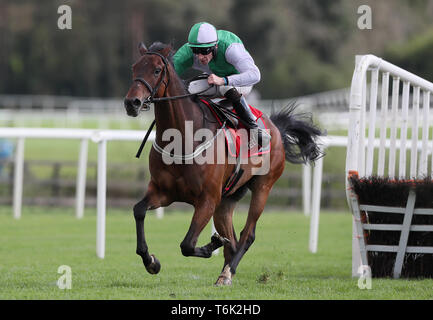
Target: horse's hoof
<point x="223" y="281"/>
<point x="154" y="266"/>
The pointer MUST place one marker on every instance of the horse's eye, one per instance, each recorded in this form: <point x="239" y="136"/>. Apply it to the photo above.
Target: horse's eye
<point x="157" y="71"/>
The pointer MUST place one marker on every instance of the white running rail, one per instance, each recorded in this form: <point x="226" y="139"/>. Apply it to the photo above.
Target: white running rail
<point x="100" y="137"/>
<point x="311" y="189"/>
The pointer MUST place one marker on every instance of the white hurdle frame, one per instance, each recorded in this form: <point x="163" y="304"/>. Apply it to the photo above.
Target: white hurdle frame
<point x="356" y="159"/>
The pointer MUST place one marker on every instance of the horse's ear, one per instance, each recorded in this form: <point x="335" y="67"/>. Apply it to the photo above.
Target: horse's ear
<point x="167" y="51"/>
<point x="142" y="48"/>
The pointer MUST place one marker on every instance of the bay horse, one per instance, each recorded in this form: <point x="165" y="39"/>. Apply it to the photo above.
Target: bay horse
<point x="293" y="138"/>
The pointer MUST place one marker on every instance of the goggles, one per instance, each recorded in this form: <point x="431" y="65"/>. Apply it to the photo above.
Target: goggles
<point x="202" y="50"/>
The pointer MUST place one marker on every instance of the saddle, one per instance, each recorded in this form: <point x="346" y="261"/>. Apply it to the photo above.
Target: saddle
<point x="224" y="112"/>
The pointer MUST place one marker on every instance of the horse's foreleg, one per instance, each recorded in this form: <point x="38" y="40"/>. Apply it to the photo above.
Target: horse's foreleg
<point x="149" y="201"/>
<point x="200" y="219"/>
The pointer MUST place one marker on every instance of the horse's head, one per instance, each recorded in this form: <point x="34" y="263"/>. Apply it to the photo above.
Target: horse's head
<point x="150" y="76"/>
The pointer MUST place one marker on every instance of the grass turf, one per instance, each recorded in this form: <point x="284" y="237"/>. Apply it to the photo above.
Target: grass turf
<point x="278" y="265"/>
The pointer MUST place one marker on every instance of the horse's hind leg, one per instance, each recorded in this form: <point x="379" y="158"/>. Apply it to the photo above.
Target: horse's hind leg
<point x="223" y="220"/>
<point x="259" y="197"/>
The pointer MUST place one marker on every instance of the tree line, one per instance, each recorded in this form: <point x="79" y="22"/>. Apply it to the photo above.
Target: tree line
<point x="300" y="46"/>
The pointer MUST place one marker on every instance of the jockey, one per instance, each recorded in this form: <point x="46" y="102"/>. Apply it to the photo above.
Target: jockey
<point x="232" y="70"/>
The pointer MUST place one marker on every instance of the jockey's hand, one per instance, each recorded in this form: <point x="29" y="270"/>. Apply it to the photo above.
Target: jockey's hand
<point x="214" y="79"/>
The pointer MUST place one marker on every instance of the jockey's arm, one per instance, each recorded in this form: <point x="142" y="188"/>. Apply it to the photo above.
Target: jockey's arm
<point x="249" y="73"/>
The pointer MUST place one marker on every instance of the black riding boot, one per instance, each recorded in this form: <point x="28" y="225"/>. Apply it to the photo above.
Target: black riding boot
<point x="246" y="116"/>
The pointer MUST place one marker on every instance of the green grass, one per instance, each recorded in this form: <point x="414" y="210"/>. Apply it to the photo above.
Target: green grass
<point x="68" y="150"/>
<point x="277" y="266"/>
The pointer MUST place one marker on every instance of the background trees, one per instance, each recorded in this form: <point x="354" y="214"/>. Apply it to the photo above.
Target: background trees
<point x="301" y="46"/>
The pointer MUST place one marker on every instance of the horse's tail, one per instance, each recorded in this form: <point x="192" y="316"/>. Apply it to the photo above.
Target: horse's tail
<point x="299" y="135"/>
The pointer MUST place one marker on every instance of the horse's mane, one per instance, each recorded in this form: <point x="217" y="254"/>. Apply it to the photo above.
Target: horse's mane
<point x="159" y="47"/>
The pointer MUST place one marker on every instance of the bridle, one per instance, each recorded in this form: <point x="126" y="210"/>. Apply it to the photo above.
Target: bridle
<point x="153" y="91"/>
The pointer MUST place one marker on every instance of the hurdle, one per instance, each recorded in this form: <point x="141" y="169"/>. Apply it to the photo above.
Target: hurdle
<point x="374" y="143"/>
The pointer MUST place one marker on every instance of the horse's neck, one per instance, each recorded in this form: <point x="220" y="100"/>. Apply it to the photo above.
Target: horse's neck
<point x="176" y="114"/>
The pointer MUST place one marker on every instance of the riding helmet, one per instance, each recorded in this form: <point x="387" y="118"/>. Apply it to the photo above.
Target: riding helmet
<point x="202" y="35"/>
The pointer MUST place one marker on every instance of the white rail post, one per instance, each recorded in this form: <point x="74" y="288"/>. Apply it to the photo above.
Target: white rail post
<point x="315" y="210"/>
<point x="414" y="145"/>
<point x="362" y="124"/>
<point x="372" y="121"/>
<point x="306" y="189"/>
<point x="81" y="179"/>
<point x="394" y="115"/>
<point x="18" y="178"/>
<point x="403" y="130"/>
<point x="383" y="119"/>
<point x="101" y="194"/>
<point x="423" y="165"/>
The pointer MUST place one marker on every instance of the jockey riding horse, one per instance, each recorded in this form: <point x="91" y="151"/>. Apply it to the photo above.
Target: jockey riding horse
<point x="231" y="69"/>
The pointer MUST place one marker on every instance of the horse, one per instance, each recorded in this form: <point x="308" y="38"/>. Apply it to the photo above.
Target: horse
<point x="293" y="139"/>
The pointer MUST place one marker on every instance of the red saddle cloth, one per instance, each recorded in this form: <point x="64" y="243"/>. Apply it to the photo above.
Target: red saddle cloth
<point x="235" y="137"/>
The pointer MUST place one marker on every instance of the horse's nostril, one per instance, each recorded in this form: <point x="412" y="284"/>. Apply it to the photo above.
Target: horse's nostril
<point x="137" y="102"/>
<point x="127" y="102"/>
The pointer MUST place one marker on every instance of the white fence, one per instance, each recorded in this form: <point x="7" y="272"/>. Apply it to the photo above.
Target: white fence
<point x="100" y="137"/>
<point x="331" y="100"/>
<point x="368" y="132"/>
<point x="311" y="187"/>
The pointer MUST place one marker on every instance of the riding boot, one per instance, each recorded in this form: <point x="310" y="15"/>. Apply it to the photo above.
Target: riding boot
<point x="247" y="117"/>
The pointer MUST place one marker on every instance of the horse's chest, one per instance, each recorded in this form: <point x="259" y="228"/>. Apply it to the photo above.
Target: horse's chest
<point x="180" y="184"/>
